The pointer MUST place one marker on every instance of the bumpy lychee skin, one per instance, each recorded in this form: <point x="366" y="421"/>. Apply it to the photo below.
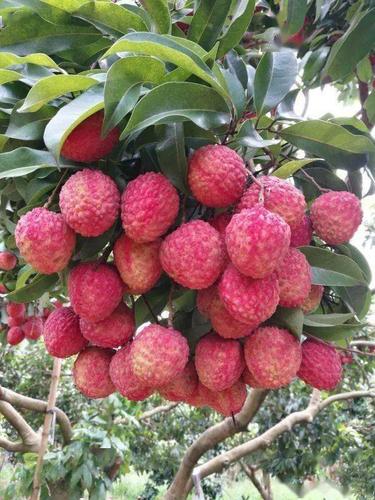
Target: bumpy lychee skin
<point x="138" y="263"/>
<point x="158" y="355"/>
<point x="149" y="206"/>
<point x="336" y="216"/>
<point x="95" y="290"/>
<point x="273" y="356"/>
<point x="217" y="176"/>
<point x="249" y="379"/>
<point x="123" y="377"/>
<point x="321" y="365"/>
<point x="205" y="298"/>
<point x="15" y="335"/>
<point x="231" y="400"/>
<point x="183" y="386"/>
<point x="45" y="240"/>
<point x="91" y="372"/>
<point x="301" y="234"/>
<point x="193" y="255"/>
<point x="18" y="321"/>
<point x="257" y="240"/>
<point x="313" y="299"/>
<point x="219" y="362"/>
<point x="8" y="261"/>
<point x="113" y="331"/>
<point x="16" y="310"/>
<point x="62" y="335"/>
<point x="202" y="397"/>
<point x="248" y="300"/>
<point x="294" y="275"/>
<point x="90" y="202"/>
<point x="33" y="328"/>
<point x="85" y="143"/>
<point x="280" y="197"/>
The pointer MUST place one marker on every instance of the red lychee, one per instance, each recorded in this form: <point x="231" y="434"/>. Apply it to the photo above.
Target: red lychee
<point x="205" y="297"/>
<point x="95" y="290"/>
<point x="149" y="206"/>
<point x="301" y="235"/>
<point x="273" y="356"/>
<point x="16" y="310"/>
<point x="313" y="299"/>
<point x="217" y="175"/>
<point x="20" y="320"/>
<point x="158" y="355"/>
<point x="90" y="202"/>
<point x="91" y="372"/>
<point x="193" y="255"/>
<point x="85" y="143"/>
<point x="336" y="216"/>
<point x="3" y="289"/>
<point x="113" y="331"/>
<point x="33" y="328"/>
<point x="62" y="335"/>
<point x="8" y="261"/>
<point x="138" y="263"/>
<point x="249" y="379"/>
<point x="280" y="197"/>
<point x="294" y="275"/>
<point x="231" y="400"/>
<point x="123" y="377"/>
<point x="249" y="301"/>
<point x="257" y="241"/>
<point x="183" y="386"/>
<point x="15" y="335"/>
<point x="219" y="362"/>
<point x="346" y="358"/>
<point x="321" y="365"/>
<point x="45" y="240"/>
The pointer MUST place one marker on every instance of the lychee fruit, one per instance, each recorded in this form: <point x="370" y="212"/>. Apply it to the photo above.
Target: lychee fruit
<point x="346" y="358"/>
<point x="3" y="289"/>
<point x="113" y="331"/>
<point x="138" y="263"/>
<point x="205" y="297"/>
<point x="280" y="197"/>
<point x="249" y="301"/>
<point x="193" y="255"/>
<point x="273" y="356"/>
<point x="149" y="206"/>
<point x="90" y="202"/>
<point x="336" y="216"/>
<point x="257" y="240"/>
<point x="95" y="290"/>
<point x="18" y="321"/>
<point x="313" y="299"/>
<point x="183" y="386"/>
<point x="202" y="396"/>
<point x="91" y="372"/>
<point x="219" y="362"/>
<point x="45" y="240"/>
<point x="85" y="143"/>
<point x="249" y="379"/>
<point x="231" y="400"/>
<point x="294" y="275"/>
<point x="123" y="377"/>
<point x="220" y="222"/>
<point x="16" y="310"/>
<point x="158" y="355"/>
<point x="301" y="235"/>
<point x="321" y="365"/>
<point x="15" y="335"/>
<point x="217" y="175"/>
<point x="8" y="261"/>
<point x="62" y="334"/>
<point x="33" y="328"/>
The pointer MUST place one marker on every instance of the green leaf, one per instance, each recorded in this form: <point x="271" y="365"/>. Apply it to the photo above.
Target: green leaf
<point x="29" y="126"/>
<point x="235" y="90"/>
<point x="370" y="107"/>
<point x="241" y="19"/>
<point x="351" y="47"/>
<point x="357" y="299"/>
<point x="38" y="286"/>
<point x="315" y="63"/>
<point x="8" y="59"/>
<point x="333" y="333"/>
<point x="156" y="300"/>
<point x="355" y="254"/>
<point x="51" y="87"/>
<point x="208" y="22"/>
<point x="291" y="319"/>
<point x="292" y="15"/>
<point x="320" y="320"/>
<point x="247" y="136"/>
<point x="176" y="102"/>
<point x="8" y="75"/>
<point x="159" y="13"/>
<point x="274" y="76"/>
<point x="291" y="167"/>
<point x="364" y="70"/>
<point x="23" y="161"/>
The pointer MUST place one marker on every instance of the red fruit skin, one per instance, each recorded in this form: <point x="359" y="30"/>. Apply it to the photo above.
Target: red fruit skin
<point x="294" y="275"/>
<point x="219" y="362"/>
<point x="113" y="331"/>
<point x="95" y="290"/>
<point x="249" y="379"/>
<point x="301" y="235"/>
<point x="33" y="328"/>
<point x="201" y="397"/>
<point x="217" y="176"/>
<point x="138" y="263"/>
<point x="123" y="377"/>
<point x="220" y="222"/>
<point x="8" y="261"/>
<point x="183" y="386"/>
<point x="257" y="241"/>
<point x="91" y="372"/>
<point x="3" y="289"/>
<point x="149" y="206"/>
<point x="321" y="365"/>
<point x="346" y="358"/>
<point x="15" y="335"/>
<point x="193" y="255"/>
<point x="90" y="202"/>
<point x="85" y="144"/>
<point x="15" y="321"/>
<point x="280" y="197"/>
<point x="336" y="216"/>
<point x="297" y="39"/>
<point x="313" y="299"/>
<point x="62" y="334"/>
<point x="205" y="297"/>
<point x="45" y="240"/>
<point x="273" y="356"/>
<point x="249" y="301"/>
<point x="231" y="400"/>
<point x="158" y="355"/>
<point x="16" y="310"/>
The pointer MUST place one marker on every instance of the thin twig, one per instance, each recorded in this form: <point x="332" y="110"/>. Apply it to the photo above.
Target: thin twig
<point x="313" y="181"/>
<point x="150" y="309"/>
<point x="58" y="186"/>
<point x="340" y="348"/>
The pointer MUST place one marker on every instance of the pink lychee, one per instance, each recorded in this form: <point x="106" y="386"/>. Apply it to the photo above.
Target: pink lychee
<point x="15" y="335"/>
<point x="18" y="321"/>
<point x="205" y="297"/>
<point x="294" y="275"/>
<point x="16" y="310"/>
<point x="301" y="234"/>
<point x="249" y="379"/>
<point x="202" y="396"/>
<point x="91" y="372"/>
<point x="33" y="328"/>
<point x="183" y="386"/>
<point x="8" y="261"/>
<point x="231" y="400"/>
<point x="62" y="334"/>
<point x="313" y="299"/>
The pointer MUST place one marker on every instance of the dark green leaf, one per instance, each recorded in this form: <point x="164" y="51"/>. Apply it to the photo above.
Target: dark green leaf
<point x="370" y="107"/>
<point x="159" y="13"/>
<point x="321" y="320"/>
<point x="28" y="126"/>
<point x="247" y="136"/>
<point x="236" y="91"/>
<point x="357" y="299"/>
<point x="208" y="22"/>
<point x="156" y="299"/>
<point x="333" y="333"/>
<point x="239" y="23"/>
<point x="23" y="161"/>
<point x="315" y="63"/>
<point x="292" y="15"/>
<point x="38" y="286"/>
<point x="291" y="319"/>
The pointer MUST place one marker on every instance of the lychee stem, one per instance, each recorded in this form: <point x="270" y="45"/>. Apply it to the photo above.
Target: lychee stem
<point x="261" y="187"/>
<point x="58" y="186"/>
<point x="313" y="181"/>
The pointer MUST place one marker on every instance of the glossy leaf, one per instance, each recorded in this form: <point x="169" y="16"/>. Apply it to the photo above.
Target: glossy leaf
<point x="29" y="126"/>
<point x="370" y="107"/>
<point x="333" y="333"/>
<point x="247" y="136"/>
<point x="291" y="167"/>
<point x="292" y="15"/>
<point x="8" y="59"/>
<point x="159" y="13"/>
<point x="327" y="319"/>
<point x="7" y="75"/>
<point x="23" y="161"/>
<point x="35" y="289"/>
<point x="240" y="21"/>
<point x="291" y="319"/>
<point x="208" y="22"/>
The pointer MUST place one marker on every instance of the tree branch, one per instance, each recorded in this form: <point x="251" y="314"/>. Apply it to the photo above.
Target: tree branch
<point x="29" y="438"/>
<point x="250" y="472"/>
<point x="158" y="409"/>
